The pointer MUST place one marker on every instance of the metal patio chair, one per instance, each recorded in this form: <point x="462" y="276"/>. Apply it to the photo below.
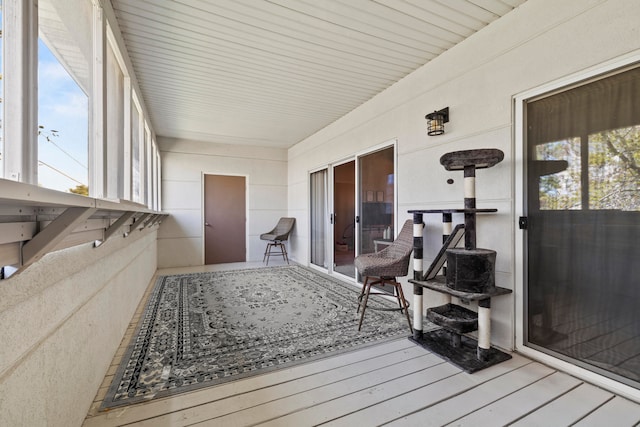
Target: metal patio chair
<point x="277" y="238"/>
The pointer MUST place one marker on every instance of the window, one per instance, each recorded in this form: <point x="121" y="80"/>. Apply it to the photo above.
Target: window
<point x="64" y="50"/>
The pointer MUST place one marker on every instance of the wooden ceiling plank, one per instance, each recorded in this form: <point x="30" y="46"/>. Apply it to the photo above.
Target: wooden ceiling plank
<point x="494" y="6"/>
<point x="265" y="16"/>
<point x="430" y="17"/>
<point x="333" y="23"/>
<point x="449" y="11"/>
<point x="273" y="43"/>
<point x="470" y="9"/>
<point x="203" y="103"/>
<point x="177" y="62"/>
<point x="397" y="20"/>
<point x="166" y="79"/>
<point x="337" y="70"/>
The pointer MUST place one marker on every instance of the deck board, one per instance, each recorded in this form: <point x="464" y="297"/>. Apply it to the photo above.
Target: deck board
<point x="567" y="409"/>
<point x="617" y="412"/>
<point x="525" y="400"/>
<point x="330" y="410"/>
<point x="416" y="400"/>
<point x="317" y="393"/>
<point x="476" y="398"/>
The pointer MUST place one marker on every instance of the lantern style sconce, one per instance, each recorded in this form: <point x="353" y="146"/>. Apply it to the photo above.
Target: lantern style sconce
<point x="436" y="121"/>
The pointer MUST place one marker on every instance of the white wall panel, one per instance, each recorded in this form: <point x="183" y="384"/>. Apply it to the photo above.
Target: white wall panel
<point x="181" y="195"/>
<point x="181" y="223"/>
<point x="180" y="252"/>
<point x="262" y="196"/>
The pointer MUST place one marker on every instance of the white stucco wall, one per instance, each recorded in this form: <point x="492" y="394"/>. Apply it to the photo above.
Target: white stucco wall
<point x="538" y="43"/>
<point x="184" y="164"/>
<point x="62" y="321"/>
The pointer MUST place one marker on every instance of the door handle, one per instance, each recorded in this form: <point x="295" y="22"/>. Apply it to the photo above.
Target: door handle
<point x="207" y="224"/>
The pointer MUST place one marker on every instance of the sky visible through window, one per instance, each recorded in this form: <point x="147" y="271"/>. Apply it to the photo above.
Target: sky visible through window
<point x="63" y="125"/>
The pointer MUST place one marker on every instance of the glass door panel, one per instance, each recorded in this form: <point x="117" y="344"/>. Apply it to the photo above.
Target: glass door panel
<point x="344" y="213"/>
<point x="319" y="215"/>
<point x="583" y="205"/>
<point x="376" y="179"/>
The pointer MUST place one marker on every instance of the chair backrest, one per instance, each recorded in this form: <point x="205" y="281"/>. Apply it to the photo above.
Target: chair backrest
<point x="403" y="245"/>
<point x="284" y="227"/>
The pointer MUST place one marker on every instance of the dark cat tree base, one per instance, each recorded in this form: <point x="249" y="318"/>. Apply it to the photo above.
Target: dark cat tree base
<point x="466" y="356"/>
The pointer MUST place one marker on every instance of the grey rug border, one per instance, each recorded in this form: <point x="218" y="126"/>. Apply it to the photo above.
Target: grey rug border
<point x="115" y="382"/>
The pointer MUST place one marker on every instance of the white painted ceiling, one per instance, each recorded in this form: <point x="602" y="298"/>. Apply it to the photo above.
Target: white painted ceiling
<point x="272" y="72"/>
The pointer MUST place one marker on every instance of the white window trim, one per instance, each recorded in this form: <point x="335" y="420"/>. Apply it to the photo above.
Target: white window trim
<point x="20" y="121"/>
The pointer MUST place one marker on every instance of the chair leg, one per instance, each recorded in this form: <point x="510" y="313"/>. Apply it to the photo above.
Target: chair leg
<point x="403" y="303"/>
<point x="364" y="304"/>
<point x="271" y="247"/>
<point x="364" y="286"/>
<point x="284" y="252"/>
<point x="266" y="251"/>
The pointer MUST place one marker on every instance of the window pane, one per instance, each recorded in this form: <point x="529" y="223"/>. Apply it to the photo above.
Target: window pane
<point x="559" y="190"/>
<point x="614" y="169"/>
<point x="135" y="153"/>
<point x="64" y="49"/>
<point x="115" y="125"/>
<point x="63" y="127"/>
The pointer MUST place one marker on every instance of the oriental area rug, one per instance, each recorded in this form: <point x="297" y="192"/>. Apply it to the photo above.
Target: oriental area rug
<point x="203" y="329"/>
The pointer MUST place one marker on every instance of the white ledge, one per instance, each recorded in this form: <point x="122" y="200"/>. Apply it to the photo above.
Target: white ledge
<point x="37" y="220"/>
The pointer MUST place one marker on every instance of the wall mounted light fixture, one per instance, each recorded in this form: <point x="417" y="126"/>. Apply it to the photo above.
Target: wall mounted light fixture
<point x="436" y="121"/>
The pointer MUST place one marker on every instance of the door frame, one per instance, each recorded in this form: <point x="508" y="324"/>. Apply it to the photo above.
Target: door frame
<point x="520" y="242"/>
<point x="203" y="195"/>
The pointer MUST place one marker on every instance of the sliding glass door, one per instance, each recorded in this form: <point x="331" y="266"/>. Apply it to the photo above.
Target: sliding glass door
<point x="583" y="206"/>
<point x="352" y="210"/>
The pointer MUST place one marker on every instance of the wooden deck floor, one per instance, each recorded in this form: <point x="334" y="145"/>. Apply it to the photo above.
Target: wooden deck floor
<point x="395" y="383"/>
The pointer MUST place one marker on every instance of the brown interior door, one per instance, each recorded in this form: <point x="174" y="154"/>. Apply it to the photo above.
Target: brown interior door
<point x="224" y="219"/>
